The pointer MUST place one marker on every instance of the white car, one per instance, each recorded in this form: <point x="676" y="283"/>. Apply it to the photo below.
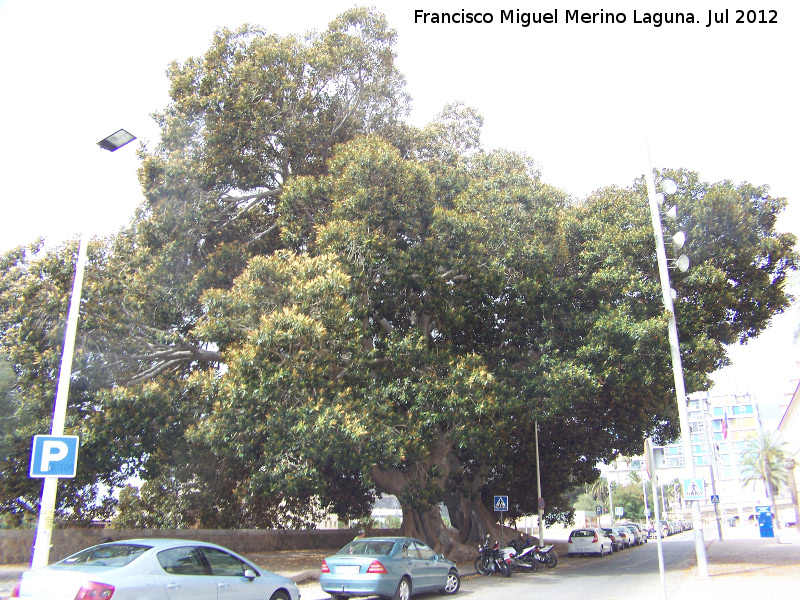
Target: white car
<point x="589" y="540"/>
<point x="154" y="569"/>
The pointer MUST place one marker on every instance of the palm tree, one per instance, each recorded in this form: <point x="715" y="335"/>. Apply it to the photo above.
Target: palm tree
<point x="764" y="460"/>
<point x="599" y="490"/>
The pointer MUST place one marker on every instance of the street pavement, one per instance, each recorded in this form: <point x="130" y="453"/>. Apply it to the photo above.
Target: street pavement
<point x="742" y="566"/>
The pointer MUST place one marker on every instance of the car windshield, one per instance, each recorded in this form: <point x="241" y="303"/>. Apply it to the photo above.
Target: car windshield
<point x="106" y="555"/>
<point x="379" y="547"/>
<point x="583" y="533"/>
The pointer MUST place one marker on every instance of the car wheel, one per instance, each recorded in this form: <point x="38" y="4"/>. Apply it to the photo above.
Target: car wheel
<point x="453" y="583"/>
<point x="403" y="590"/>
<point x="281" y="595"/>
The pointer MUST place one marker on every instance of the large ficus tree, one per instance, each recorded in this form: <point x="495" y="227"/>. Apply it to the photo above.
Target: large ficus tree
<point x="317" y="303"/>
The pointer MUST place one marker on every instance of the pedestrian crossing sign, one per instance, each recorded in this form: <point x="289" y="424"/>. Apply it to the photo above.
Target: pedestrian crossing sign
<point x="501" y="503"/>
<point x="693" y="489"/>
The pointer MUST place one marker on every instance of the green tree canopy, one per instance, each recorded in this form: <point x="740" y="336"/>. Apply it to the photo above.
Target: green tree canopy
<point x="317" y="303"/>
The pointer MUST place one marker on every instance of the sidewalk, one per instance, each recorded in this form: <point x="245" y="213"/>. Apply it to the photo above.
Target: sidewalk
<point x="744" y="566"/>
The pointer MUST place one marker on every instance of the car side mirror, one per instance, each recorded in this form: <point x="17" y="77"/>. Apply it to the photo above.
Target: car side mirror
<point x="250" y="574"/>
<point x="440" y="557"/>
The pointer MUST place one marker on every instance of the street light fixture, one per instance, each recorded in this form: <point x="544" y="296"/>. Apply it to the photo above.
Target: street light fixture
<point x="669" y="187"/>
<point x="44" y="530"/>
<point x="116" y="140"/>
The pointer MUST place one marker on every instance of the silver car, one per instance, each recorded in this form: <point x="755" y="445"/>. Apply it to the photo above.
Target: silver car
<point x="154" y="569"/>
<point x="639" y="536"/>
<point x="394" y="567"/>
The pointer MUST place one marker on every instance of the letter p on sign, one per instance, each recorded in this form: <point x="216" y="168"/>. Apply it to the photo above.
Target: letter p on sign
<point x="54" y="456"/>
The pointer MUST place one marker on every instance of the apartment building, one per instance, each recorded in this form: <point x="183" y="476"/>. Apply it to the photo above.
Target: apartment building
<point x="721" y="426"/>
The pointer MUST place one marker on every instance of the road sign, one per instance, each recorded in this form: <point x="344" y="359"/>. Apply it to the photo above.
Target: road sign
<point x="649" y="459"/>
<point x="501" y="503"/>
<point x="619" y="511"/>
<point x="598" y="509"/>
<point x="693" y="489"/>
<point x="714" y="498"/>
<point x="54" y="456"/>
<point x="541" y="503"/>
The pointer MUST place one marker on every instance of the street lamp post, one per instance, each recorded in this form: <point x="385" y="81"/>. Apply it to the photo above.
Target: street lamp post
<point x="44" y="530"/>
<point x="677" y="367"/>
<point x="711" y="460"/>
<point x="539" y="502"/>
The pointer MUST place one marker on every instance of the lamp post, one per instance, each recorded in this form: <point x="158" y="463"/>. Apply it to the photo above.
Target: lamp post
<point x="677" y="367"/>
<point x="790" y="464"/>
<point x="540" y="500"/>
<point x="44" y="530"/>
<point x="711" y="460"/>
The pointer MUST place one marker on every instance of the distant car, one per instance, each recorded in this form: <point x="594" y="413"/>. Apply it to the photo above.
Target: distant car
<point x="395" y="567"/>
<point x="589" y="540"/>
<point x="625" y="534"/>
<point x="639" y="537"/>
<point x="617" y="542"/>
<point x="157" y="569"/>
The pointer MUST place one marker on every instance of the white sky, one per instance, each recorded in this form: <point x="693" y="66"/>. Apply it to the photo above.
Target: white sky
<point x="579" y="98"/>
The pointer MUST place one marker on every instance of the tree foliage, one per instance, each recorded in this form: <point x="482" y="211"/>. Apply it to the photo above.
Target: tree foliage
<point x="764" y="461"/>
<point x="317" y="303"/>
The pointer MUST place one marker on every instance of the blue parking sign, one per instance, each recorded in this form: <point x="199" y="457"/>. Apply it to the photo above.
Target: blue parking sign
<point x="54" y="456"/>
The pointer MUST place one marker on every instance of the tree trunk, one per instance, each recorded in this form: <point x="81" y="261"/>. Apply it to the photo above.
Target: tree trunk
<point x="470" y="518"/>
<point x="430" y="527"/>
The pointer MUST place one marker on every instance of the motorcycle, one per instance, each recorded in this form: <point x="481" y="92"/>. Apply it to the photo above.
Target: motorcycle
<point x="524" y="555"/>
<point x="491" y="560"/>
<point x="547" y="556"/>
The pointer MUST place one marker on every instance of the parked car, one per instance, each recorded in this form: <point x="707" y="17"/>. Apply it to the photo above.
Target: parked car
<point x="617" y="541"/>
<point x="396" y="567"/>
<point x="639" y="537"/>
<point x="590" y="540"/>
<point x="625" y="534"/>
<point x="142" y="569"/>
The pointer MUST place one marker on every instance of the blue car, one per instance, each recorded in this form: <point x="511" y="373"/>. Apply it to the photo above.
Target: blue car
<point x="394" y="567"/>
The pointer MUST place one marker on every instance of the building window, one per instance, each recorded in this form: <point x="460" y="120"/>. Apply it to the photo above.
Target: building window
<point x="747" y="422"/>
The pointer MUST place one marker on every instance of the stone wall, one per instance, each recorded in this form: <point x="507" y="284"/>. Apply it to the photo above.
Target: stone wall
<point x="16" y="546"/>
